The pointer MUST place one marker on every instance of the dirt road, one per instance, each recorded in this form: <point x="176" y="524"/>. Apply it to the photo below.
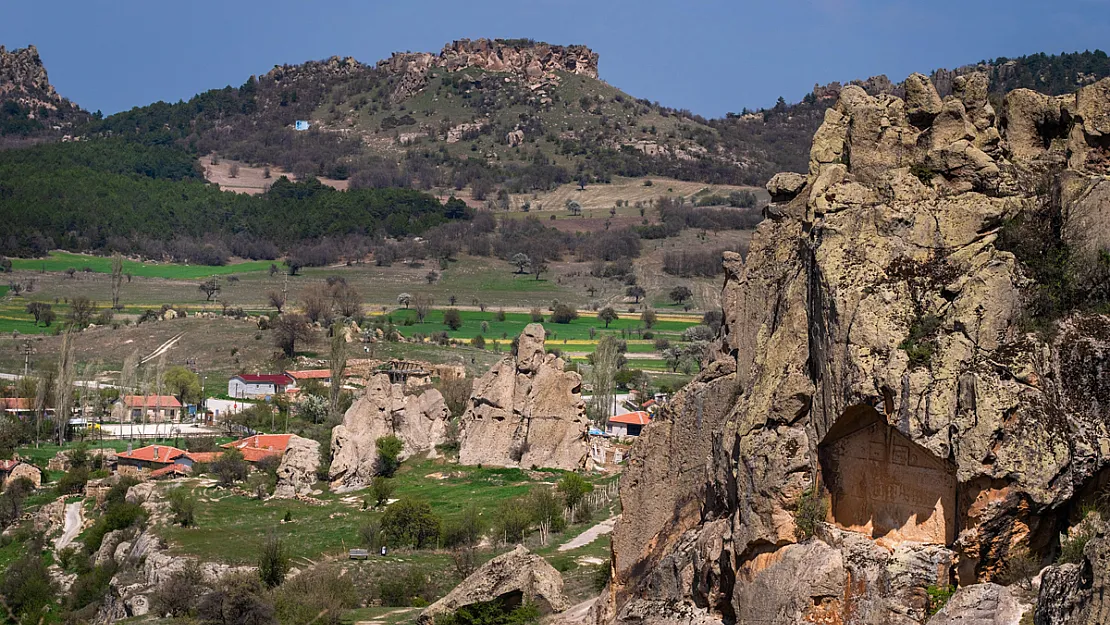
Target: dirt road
<point x="72" y="526"/>
<point x="589" y="535"/>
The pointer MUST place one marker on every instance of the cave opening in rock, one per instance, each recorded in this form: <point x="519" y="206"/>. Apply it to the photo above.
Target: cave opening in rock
<point x="883" y="484"/>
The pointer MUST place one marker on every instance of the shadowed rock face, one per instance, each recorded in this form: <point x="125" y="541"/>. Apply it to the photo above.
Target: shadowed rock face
<point x="526" y="411"/>
<point x="420" y="421"/>
<point x="886" y="251"/>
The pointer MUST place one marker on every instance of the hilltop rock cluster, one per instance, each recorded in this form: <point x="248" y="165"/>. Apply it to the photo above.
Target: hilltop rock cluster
<point x="877" y="419"/>
<point x="23" y="80"/>
<point x="528" y="60"/>
<point x="526" y="411"/>
<point x="420" y="421"/>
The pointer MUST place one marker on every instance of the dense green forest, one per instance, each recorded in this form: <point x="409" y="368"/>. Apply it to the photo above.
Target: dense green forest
<point x="120" y="195"/>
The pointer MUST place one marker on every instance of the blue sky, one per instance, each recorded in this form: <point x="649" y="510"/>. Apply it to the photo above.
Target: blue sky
<point x="708" y="56"/>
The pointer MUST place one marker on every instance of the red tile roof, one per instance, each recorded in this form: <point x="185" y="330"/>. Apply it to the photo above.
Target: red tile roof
<point x="632" y="418"/>
<point x="265" y="442"/>
<point x="278" y="379"/>
<point x="254" y="454"/>
<point x="310" y="374"/>
<point x="176" y="469"/>
<point x="166" y="454"/>
<point x="15" y="403"/>
<point x="206" y="457"/>
<point x="7" y="465"/>
<point x="151" y="401"/>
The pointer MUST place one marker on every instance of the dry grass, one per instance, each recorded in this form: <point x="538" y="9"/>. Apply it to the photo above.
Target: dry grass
<point x="602" y="197"/>
<point x="250" y="179"/>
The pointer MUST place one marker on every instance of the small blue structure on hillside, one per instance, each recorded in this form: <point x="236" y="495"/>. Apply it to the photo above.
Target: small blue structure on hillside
<point x="300" y="125"/>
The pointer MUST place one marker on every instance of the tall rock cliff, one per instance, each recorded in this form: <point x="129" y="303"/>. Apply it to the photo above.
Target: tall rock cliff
<point x="526" y="411"/>
<point x="878" y="417"/>
<point x="32" y="105"/>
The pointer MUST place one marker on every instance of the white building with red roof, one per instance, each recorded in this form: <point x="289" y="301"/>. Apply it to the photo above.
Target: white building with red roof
<point x="628" y="424"/>
<point x="258" y="384"/>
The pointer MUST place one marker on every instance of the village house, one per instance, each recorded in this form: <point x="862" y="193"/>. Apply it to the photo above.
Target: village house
<point x="148" y="408"/>
<point x="20" y="407"/>
<point x="628" y="424"/>
<point x="258" y="385"/>
<point x="150" y="457"/>
<point x="258" y="446"/>
<point x="323" y="376"/>
<point x="16" y="469"/>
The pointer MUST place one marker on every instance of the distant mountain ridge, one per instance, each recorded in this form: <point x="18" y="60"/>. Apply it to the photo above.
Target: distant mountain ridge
<point x="514" y="115"/>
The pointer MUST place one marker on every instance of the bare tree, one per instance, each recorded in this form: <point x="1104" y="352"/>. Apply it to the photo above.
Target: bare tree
<point x="63" y="385"/>
<point x="338" y="365"/>
<point x="347" y="300"/>
<point x="317" y="304"/>
<point x="233" y="170"/>
<point x="81" y="310"/>
<point x="606" y="359"/>
<point x="404" y="299"/>
<point x="117" y="279"/>
<point x="422" y="304"/>
<point x="210" y="288"/>
<point x="290" y="329"/>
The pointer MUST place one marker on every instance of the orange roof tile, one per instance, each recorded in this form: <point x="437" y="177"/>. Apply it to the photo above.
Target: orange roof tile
<point x="151" y="401"/>
<point x="204" y="456"/>
<point x="165" y="454"/>
<point x="268" y="442"/>
<point x="632" y="418"/>
<point x="178" y="469"/>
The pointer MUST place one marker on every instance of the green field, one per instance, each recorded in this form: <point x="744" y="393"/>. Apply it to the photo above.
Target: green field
<point x="60" y="261"/>
<point x="577" y="330"/>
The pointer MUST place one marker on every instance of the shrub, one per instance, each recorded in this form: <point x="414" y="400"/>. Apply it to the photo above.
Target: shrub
<point x="27" y="587"/>
<point x="496" y="612"/>
<point x="117" y="517"/>
<point x="564" y="313"/>
<point x="547" y="509"/>
<point x="409" y="588"/>
<point x="382" y="488"/>
<point x="452" y="318"/>
<point x="239" y="599"/>
<point x="1019" y="568"/>
<point x="180" y="594"/>
<point x="812" y="508"/>
<point x="513" y="519"/>
<point x="273" y="561"/>
<point x="231" y="467"/>
<point x="183" y="506"/>
<point x="465" y="530"/>
<point x="938" y="596"/>
<point x="319" y="595"/>
<point x="389" y="453"/>
<point x="369" y="534"/>
<point x="410" y="523"/>
<point x="573" y="488"/>
<point x="536" y="315"/>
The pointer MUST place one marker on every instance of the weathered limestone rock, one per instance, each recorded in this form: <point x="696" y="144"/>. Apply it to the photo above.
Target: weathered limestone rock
<point x="1077" y="594"/>
<point x="296" y="475"/>
<point x="420" y="421"/>
<point x="526" y="411"/>
<point x="518" y="575"/>
<point x="27" y="472"/>
<point x="879" y="291"/>
<point x="981" y="604"/>
<point x="784" y="186"/>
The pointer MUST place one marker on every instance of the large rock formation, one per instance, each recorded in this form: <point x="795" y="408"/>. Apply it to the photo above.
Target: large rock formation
<point x="526" y="411"/>
<point x="528" y="60"/>
<point x="296" y="475"/>
<point x="514" y="577"/>
<point x="874" y="353"/>
<point x="23" y="80"/>
<point x="420" y="421"/>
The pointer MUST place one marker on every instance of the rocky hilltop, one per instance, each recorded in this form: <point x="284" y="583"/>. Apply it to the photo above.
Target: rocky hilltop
<point x="524" y="57"/>
<point x="526" y="412"/>
<point x="878" y="418"/>
<point x="37" y="106"/>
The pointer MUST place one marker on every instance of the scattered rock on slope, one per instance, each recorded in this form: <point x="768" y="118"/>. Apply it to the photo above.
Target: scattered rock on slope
<point x="526" y="411"/>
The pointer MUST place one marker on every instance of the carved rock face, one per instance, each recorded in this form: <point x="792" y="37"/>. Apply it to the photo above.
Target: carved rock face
<point x="879" y="285"/>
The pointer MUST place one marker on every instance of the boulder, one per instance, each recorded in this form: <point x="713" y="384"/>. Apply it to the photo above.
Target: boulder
<point x="922" y="101"/>
<point x="516" y="576"/>
<point x="526" y="411"/>
<point x="296" y="475"/>
<point x="784" y="186"/>
<point x="420" y="421"/>
<point x="981" y="604"/>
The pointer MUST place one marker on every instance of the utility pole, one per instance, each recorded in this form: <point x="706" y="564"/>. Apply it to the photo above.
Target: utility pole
<point x="27" y="349"/>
